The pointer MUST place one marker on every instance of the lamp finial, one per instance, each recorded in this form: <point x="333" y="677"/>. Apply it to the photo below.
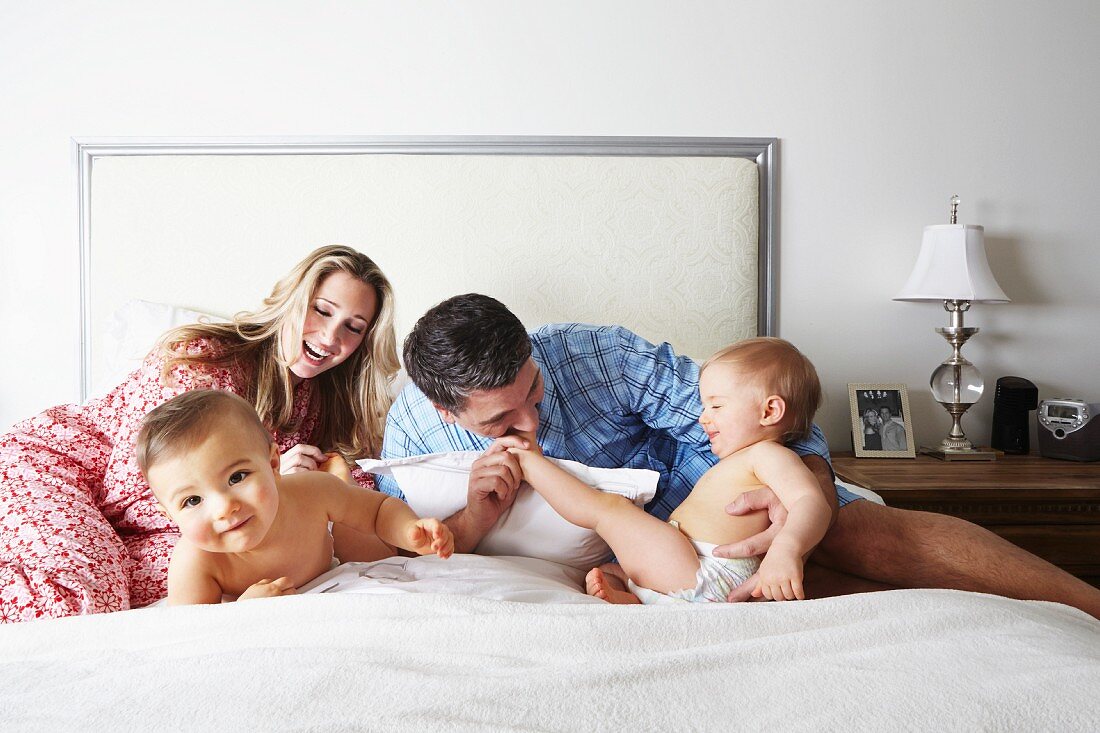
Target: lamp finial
<point x="955" y="200"/>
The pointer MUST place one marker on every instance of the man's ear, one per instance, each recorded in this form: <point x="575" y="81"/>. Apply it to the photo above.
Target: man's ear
<point x="275" y="459"/>
<point x="775" y="407"/>
<point x="448" y="416"/>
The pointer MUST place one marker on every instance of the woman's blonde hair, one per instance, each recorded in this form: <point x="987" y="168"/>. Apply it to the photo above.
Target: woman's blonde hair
<point x="777" y="367"/>
<point x="354" y="396"/>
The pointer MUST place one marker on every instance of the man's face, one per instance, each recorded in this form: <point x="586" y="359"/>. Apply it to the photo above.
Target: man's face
<point x="884" y="413"/>
<point x="507" y="410"/>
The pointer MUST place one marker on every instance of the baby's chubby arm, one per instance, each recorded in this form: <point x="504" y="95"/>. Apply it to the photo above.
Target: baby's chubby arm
<point x="373" y="512"/>
<point x="191" y="580"/>
<point x="808" y="517"/>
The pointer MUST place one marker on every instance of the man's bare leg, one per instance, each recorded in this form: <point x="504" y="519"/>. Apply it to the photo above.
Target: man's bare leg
<point x="823" y="582"/>
<point x="913" y="549"/>
<point x="608" y="582"/>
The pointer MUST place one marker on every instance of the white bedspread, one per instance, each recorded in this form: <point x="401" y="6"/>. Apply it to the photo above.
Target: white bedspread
<point x="403" y="657"/>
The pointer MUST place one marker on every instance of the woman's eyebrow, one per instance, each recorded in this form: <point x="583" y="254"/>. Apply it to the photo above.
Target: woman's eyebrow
<point x="337" y="305"/>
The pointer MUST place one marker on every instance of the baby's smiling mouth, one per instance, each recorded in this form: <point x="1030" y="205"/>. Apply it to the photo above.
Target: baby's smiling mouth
<point x="237" y="526"/>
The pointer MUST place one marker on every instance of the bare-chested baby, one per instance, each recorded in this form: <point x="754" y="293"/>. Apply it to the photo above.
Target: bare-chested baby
<point x="757" y="394"/>
<point x="247" y="531"/>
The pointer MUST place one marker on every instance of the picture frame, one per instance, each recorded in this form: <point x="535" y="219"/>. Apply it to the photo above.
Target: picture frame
<point x="881" y="423"/>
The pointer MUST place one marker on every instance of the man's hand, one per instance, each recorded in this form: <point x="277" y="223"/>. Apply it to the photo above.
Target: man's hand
<point x="494" y="479"/>
<point x="429" y="536"/>
<point x="758" y="544"/>
<point x="268" y="588"/>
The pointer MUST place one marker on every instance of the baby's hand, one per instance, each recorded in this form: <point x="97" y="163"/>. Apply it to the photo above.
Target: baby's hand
<point x="268" y="588"/>
<point x="337" y="466"/>
<point x="780" y="577"/>
<point x="431" y="535"/>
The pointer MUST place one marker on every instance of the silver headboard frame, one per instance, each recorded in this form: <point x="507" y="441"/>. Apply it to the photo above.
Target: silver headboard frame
<point x="763" y="151"/>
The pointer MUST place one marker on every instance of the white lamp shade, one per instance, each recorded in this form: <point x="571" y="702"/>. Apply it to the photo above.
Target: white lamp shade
<point x="952" y="266"/>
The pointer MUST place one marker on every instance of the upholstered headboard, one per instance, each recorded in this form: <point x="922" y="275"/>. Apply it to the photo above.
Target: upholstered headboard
<point x="670" y="237"/>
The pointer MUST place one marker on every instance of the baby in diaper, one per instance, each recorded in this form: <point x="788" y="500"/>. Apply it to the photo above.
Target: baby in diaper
<point x="757" y="395"/>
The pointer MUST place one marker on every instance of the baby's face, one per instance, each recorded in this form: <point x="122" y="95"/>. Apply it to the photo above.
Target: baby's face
<point x="222" y="493"/>
<point x="732" y="409"/>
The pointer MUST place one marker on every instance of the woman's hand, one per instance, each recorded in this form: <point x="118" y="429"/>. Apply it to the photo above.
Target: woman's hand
<point x="335" y="464"/>
<point x="300" y="458"/>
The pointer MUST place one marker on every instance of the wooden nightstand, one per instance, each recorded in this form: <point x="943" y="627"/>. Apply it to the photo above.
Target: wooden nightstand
<point x="1046" y="506"/>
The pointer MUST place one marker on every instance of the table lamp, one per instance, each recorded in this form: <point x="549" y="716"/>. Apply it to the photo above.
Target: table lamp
<point x="952" y="268"/>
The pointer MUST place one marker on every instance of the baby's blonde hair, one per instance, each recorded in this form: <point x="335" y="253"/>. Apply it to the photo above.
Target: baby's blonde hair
<point x="776" y="367"/>
<point x="183" y="421"/>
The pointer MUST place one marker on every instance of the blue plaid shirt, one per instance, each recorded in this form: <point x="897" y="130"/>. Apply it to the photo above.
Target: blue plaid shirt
<point x="611" y="400"/>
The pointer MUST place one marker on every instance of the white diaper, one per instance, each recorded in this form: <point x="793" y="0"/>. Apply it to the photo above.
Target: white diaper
<point x="717" y="576"/>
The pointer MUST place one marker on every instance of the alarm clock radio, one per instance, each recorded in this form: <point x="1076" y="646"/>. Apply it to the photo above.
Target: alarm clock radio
<point x="1069" y="429"/>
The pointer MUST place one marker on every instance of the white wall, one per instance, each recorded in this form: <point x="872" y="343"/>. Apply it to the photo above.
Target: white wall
<point x="882" y="112"/>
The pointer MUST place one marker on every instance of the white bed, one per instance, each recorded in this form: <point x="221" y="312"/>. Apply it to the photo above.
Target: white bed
<point x="477" y="643"/>
<point x="499" y="642"/>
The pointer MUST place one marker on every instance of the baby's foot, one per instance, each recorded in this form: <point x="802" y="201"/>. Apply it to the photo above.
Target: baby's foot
<point x="608" y="583"/>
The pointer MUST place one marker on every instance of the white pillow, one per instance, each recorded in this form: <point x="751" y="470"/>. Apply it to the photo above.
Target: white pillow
<point x="435" y="486"/>
<point x="134" y="328"/>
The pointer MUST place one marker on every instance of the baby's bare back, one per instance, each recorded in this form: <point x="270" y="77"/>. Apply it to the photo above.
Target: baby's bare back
<point x="702" y="516"/>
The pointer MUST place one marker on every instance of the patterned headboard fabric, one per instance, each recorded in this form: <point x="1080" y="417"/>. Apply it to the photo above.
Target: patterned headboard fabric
<point x="670" y="237"/>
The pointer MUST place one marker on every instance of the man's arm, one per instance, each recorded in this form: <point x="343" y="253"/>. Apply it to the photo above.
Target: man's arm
<point x="494" y="479"/>
<point x="823" y="472"/>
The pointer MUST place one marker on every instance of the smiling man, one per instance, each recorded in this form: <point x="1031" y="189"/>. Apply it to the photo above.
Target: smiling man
<point x="605" y="397"/>
<point x="600" y="395"/>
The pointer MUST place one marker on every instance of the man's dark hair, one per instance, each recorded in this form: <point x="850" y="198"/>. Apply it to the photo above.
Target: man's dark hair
<point x="466" y="343"/>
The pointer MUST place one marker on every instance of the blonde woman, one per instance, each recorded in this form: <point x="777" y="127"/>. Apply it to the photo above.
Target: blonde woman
<point x="80" y="531"/>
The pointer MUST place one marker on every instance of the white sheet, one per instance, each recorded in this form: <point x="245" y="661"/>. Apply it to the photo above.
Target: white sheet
<point x="518" y="579"/>
<point x="419" y="661"/>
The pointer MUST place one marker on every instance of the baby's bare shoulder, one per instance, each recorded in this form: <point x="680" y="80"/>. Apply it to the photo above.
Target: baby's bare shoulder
<point x="310" y="485"/>
<point x="187" y="558"/>
<point x="767" y="448"/>
<point x="310" y="494"/>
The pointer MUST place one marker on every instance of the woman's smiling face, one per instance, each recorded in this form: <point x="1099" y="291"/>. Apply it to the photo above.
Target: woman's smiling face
<point x="337" y="321"/>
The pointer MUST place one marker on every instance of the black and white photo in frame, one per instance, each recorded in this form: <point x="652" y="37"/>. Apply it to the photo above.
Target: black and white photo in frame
<point x="881" y="426"/>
